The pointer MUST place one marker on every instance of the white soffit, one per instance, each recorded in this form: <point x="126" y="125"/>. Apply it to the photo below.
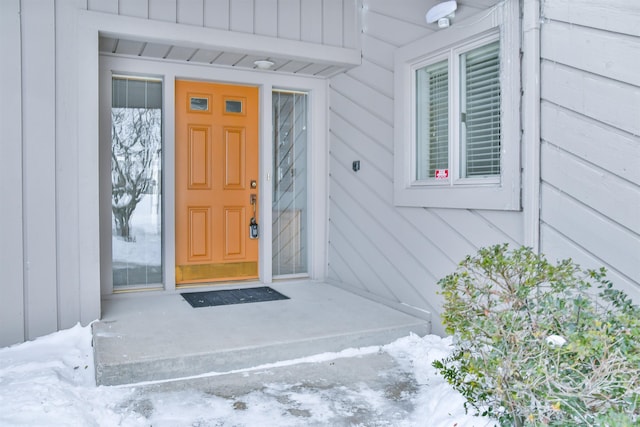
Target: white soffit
<point x="154" y="50"/>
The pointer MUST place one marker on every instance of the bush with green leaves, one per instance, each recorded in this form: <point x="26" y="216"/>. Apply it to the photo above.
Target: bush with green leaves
<point x="538" y="343"/>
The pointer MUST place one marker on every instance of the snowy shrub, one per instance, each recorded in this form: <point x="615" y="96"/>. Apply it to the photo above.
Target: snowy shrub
<point x="541" y="344"/>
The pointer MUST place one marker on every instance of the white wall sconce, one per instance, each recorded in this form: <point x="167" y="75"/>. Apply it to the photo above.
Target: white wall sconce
<point x="442" y="13"/>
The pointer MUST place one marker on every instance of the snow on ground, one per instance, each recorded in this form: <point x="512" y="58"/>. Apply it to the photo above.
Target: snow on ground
<point x="49" y="382"/>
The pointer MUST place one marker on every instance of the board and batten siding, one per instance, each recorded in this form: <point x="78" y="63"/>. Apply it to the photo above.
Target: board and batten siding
<point x="326" y="22"/>
<point x="49" y="246"/>
<point x="41" y="255"/>
<point x="590" y="131"/>
<point x="388" y="253"/>
<point x="11" y="208"/>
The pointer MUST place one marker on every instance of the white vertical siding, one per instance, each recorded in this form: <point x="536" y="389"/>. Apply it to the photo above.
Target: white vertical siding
<point x="11" y="257"/>
<point x="38" y="125"/>
<point x="327" y="22"/>
<point x="67" y="177"/>
<point x="186" y="12"/>
<point x="216" y="13"/>
<point x="310" y="26"/>
<point x="590" y="159"/>
<point x="395" y="254"/>
<point x="49" y="249"/>
<point x="165" y="10"/>
<point x="267" y="25"/>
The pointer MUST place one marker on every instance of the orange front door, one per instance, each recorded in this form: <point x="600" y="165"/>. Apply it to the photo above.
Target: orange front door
<point x="216" y="180"/>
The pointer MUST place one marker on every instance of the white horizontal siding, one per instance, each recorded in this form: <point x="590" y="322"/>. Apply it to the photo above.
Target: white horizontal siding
<point x="616" y="16"/>
<point x="557" y="246"/>
<point x="611" y="55"/>
<point x="605" y="100"/>
<point x="365" y="118"/>
<point x="590" y="127"/>
<point x="397" y="254"/>
<point x="601" y="190"/>
<point x="597" y="234"/>
<point x="329" y="22"/>
<point x="390" y="28"/>
<point x="378" y="52"/>
<point x="592" y="141"/>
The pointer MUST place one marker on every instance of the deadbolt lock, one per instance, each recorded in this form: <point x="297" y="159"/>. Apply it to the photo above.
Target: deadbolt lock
<point x="254" y="184"/>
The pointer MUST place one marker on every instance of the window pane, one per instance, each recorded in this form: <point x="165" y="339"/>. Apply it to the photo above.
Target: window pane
<point x="198" y="104"/>
<point x="432" y="121"/>
<point x="480" y="108"/>
<point x="136" y="177"/>
<point x="290" y="183"/>
<point x="233" y="106"/>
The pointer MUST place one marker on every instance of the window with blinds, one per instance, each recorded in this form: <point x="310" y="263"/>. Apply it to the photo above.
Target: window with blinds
<point x="474" y="151"/>
<point x="480" y="112"/>
<point x="432" y="108"/>
<point x="457" y="130"/>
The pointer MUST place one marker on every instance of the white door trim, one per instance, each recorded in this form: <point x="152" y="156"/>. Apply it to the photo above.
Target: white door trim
<point x="266" y="81"/>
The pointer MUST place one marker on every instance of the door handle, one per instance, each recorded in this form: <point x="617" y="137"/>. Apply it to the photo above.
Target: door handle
<point x="253" y="224"/>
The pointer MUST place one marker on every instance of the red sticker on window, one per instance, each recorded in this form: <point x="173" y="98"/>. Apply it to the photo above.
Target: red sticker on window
<point x="442" y="173"/>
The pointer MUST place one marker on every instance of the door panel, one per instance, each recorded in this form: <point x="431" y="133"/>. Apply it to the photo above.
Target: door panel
<point x="216" y="159"/>
<point x="234" y="222"/>
<point x="199" y="226"/>
<point x="235" y="155"/>
<point x="199" y="158"/>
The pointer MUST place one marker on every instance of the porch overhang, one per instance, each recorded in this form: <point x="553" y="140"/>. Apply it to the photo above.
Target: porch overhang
<point x="217" y="47"/>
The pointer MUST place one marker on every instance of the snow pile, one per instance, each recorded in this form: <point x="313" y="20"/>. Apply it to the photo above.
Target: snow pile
<point x="437" y="404"/>
<point x="50" y="382"/>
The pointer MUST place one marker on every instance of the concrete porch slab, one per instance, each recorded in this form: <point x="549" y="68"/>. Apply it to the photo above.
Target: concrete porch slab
<point x="152" y="337"/>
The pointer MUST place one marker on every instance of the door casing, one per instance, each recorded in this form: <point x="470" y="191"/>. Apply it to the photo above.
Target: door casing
<point x="266" y="82"/>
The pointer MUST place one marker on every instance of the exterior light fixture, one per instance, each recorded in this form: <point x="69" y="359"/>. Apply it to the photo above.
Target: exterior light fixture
<point x="441" y="13"/>
<point x="263" y="64"/>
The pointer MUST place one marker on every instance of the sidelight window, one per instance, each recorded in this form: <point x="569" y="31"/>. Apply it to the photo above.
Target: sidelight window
<point x="136" y="181"/>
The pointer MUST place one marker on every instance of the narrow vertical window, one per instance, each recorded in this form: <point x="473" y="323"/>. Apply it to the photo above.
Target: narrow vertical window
<point x="290" y="241"/>
<point x="136" y="178"/>
<point x="432" y="113"/>
<point x="480" y="112"/>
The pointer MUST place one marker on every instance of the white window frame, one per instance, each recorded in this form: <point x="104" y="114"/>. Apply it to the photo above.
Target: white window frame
<point x="496" y="192"/>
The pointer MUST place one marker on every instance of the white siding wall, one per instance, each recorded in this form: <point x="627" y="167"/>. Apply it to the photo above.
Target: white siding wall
<point x="39" y="257"/>
<point x="377" y="249"/>
<point x="29" y="269"/>
<point x="49" y="249"/>
<point x="590" y="155"/>
<point x="11" y="211"/>
<point x="327" y="22"/>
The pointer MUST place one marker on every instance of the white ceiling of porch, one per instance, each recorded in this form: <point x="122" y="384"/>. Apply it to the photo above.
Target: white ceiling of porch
<point x="301" y="64"/>
<point x="132" y="48"/>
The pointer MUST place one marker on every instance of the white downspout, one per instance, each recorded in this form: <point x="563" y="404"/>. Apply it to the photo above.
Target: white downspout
<point x="531" y="122"/>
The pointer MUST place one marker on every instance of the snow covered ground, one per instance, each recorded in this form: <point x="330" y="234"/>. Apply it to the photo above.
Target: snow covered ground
<point x="49" y="382"/>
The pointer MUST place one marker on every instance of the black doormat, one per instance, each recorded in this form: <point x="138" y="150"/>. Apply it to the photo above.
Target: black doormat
<point x="232" y="296"/>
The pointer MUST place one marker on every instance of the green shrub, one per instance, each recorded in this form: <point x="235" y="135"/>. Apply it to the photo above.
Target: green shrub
<point x="537" y="344"/>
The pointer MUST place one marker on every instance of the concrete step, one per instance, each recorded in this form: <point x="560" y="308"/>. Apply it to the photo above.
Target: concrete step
<point x="159" y="337"/>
